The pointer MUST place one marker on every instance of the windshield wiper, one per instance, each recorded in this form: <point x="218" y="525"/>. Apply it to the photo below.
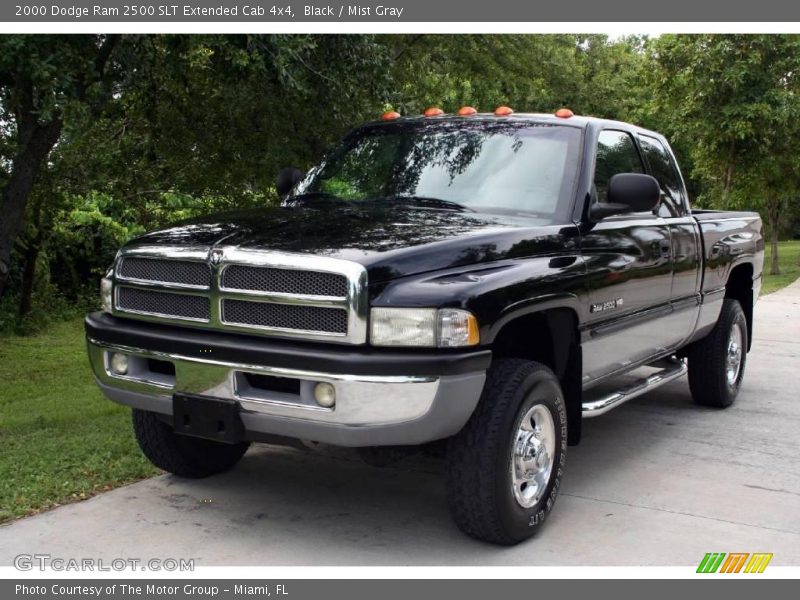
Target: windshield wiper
<point x="416" y="200"/>
<point x="311" y="196"/>
<point x="431" y="202"/>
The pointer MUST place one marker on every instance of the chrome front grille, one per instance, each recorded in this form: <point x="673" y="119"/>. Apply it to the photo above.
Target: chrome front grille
<point x="284" y="281"/>
<point x="168" y="304"/>
<point x="285" y="316"/>
<point x="263" y="293"/>
<point x="179" y="272"/>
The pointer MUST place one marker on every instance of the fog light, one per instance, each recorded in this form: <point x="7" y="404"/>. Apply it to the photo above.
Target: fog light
<point x="119" y="364"/>
<point x="325" y="394"/>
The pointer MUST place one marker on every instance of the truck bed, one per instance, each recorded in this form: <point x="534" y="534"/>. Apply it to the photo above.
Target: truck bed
<point x="729" y="238"/>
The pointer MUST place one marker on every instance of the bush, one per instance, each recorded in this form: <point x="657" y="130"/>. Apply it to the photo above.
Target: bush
<point x="81" y="242"/>
<point x="48" y="306"/>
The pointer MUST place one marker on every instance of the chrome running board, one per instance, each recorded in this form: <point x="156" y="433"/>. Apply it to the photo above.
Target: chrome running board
<point x="673" y="369"/>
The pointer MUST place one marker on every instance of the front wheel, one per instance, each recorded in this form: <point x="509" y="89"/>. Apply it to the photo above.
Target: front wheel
<point x="716" y="362"/>
<point x="505" y="467"/>
<point x="182" y="455"/>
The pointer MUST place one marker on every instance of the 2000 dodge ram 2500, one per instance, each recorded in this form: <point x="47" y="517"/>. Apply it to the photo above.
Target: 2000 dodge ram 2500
<point x="463" y="279"/>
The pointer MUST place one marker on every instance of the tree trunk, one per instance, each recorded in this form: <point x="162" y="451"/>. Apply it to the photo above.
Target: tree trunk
<point x="29" y="276"/>
<point x="726" y="188"/>
<point x="33" y="248"/>
<point x="774" y="269"/>
<point x="36" y="141"/>
<point x="774" y="214"/>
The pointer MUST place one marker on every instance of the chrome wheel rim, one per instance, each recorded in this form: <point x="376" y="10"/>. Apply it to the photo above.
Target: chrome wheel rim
<point x="532" y="455"/>
<point x="733" y="356"/>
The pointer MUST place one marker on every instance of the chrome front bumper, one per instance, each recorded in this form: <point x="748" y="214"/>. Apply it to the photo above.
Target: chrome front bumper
<point x="369" y="411"/>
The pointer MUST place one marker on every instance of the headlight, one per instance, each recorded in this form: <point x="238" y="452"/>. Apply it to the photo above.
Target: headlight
<point x="423" y="327"/>
<point x="106" y="288"/>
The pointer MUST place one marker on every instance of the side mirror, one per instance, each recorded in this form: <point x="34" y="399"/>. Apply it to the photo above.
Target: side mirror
<point x="286" y="180"/>
<point x="627" y="192"/>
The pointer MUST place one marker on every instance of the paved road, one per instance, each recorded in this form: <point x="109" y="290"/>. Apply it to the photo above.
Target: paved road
<point x="658" y="481"/>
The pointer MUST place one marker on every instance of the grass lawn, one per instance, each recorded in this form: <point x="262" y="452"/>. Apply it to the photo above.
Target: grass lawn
<point x="61" y="440"/>
<point x="789" y="262"/>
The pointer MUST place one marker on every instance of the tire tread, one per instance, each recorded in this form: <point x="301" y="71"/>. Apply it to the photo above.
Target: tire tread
<point x="183" y="456"/>
<point x="473" y="453"/>
<point x="707" y="359"/>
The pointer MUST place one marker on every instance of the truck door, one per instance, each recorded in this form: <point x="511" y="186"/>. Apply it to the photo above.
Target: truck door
<point x="629" y="264"/>
<point x="684" y="232"/>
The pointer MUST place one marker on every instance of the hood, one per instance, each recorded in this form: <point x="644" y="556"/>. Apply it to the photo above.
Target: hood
<point x="391" y="241"/>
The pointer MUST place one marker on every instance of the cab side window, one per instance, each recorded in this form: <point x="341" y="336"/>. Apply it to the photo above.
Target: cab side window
<point x="616" y="153"/>
<point x="662" y="166"/>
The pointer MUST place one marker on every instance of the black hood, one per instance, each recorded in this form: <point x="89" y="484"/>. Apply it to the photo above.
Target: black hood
<point x="390" y="240"/>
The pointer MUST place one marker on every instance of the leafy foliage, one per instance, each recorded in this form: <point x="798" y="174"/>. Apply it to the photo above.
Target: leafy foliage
<point x="733" y="99"/>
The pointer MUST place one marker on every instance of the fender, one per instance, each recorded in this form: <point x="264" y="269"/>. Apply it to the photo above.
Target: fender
<point x="495" y="293"/>
<point x="545" y="302"/>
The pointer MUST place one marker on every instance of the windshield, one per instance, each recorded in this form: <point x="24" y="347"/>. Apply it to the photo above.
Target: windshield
<point x="504" y="167"/>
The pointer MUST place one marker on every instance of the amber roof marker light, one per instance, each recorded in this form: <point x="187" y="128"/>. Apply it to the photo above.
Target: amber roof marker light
<point x="467" y="111"/>
<point x="390" y="115"/>
<point x="433" y="111"/>
<point x="503" y="111"/>
<point x="564" y="113"/>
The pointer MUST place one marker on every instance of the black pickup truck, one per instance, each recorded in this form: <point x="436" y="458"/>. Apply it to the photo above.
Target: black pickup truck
<point x="461" y="281"/>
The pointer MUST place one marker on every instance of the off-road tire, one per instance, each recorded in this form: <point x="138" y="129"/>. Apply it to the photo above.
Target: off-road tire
<point x="182" y="455"/>
<point x="708" y="380"/>
<point x="479" y="490"/>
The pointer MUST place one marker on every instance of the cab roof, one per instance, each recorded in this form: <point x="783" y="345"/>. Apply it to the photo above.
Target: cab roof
<point x="579" y="121"/>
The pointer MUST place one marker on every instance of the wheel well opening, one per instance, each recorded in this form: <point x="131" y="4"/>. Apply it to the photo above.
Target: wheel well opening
<point x="527" y="337"/>
<point x="740" y="287"/>
<point x="551" y="338"/>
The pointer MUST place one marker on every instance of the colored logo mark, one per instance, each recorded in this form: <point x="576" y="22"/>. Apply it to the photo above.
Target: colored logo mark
<point x="735" y="562"/>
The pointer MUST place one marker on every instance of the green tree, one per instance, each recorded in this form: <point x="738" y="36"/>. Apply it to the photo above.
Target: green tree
<point x="156" y="122"/>
<point x="733" y="99"/>
<point x="531" y="73"/>
<point x="42" y="80"/>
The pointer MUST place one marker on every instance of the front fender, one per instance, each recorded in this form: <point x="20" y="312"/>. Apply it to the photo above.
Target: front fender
<point x="495" y="293"/>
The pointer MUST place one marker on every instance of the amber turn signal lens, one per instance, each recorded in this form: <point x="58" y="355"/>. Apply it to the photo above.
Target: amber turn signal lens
<point x="503" y="111"/>
<point x="457" y="328"/>
<point x="564" y="113"/>
<point x="433" y="111"/>
<point x="390" y="115"/>
<point x="467" y="111"/>
<point x="473" y="335"/>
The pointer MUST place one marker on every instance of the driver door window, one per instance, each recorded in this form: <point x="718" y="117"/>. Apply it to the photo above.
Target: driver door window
<point x="616" y="153"/>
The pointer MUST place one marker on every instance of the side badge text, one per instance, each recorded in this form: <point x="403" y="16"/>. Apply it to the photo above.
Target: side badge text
<point x="608" y="305"/>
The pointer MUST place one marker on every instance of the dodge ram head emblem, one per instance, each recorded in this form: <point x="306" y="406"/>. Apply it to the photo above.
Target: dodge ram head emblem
<point x="216" y="256"/>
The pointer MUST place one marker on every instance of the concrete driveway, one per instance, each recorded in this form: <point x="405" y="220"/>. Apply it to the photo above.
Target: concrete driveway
<point x="658" y="481"/>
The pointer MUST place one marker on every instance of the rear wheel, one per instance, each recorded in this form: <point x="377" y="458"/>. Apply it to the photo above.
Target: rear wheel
<point x="180" y="454"/>
<point x="716" y="363"/>
<point x="504" y="468"/>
